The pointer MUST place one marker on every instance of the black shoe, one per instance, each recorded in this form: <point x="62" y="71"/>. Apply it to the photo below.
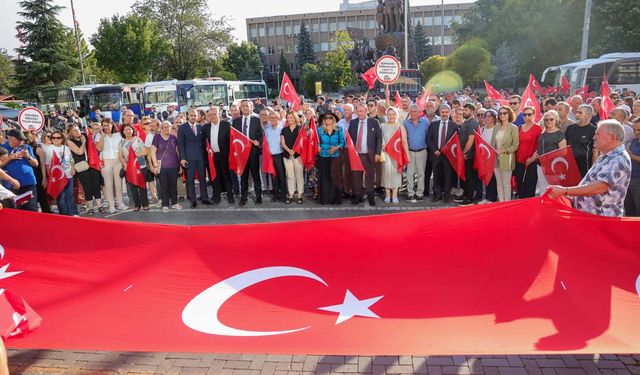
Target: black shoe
<point x="372" y="201"/>
<point x="459" y="199"/>
<point x="420" y="199"/>
<point x="466" y="202"/>
<point x="231" y="200"/>
<point x="436" y="198"/>
<point x="258" y="201"/>
<point x="354" y="202"/>
<point x="206" y="202"/>
<point x="243" y="201"/>
<point x="275" y="198"/>
<point x="193" y="204"/>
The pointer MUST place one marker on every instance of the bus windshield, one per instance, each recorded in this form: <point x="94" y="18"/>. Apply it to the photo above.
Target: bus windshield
<point x="108" y="101"/>
<point x="55" y="96"/>
<point x="160" y="97"/>
<point x="202" y="95"/>
<point x="250" y="91"/>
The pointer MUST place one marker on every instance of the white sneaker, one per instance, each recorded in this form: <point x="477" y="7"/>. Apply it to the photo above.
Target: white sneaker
<point x="165" y="209"/>
<point x="177" y="206"/>
<point x="112" y="210"/>
<point x="484" y="201"/>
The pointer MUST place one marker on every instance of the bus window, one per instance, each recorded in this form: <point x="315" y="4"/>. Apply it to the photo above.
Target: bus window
<point x="160" y="97"/>
<point x="202" y="95"/>
<point x="626" y="73"/>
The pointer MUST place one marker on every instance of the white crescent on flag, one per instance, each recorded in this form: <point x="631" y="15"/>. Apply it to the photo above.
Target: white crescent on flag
<point x="638" y="285"/>
<point x="201" y="313"/>
<point x="56" y="168"/>
<point x="285" y="88"/>
<point x="453" y="150"/>
<point x="240" y="143"/>
<point x="395" y="145"/>
<point x="557" y="160"/>
<point x="484" y="147"/>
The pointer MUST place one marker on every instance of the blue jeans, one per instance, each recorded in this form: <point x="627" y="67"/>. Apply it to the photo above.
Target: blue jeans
<point x="66" y="203"/>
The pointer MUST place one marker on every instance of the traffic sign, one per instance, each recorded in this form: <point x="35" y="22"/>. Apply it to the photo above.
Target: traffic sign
<point x="31" y="118"/>
<point x="387" y="69"/>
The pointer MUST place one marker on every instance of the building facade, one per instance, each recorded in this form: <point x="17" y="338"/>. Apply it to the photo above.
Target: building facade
<point x="278" y="34"/>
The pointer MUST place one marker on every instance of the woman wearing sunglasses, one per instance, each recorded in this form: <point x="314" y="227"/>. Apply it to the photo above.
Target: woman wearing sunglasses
<point x="526" y="174"/>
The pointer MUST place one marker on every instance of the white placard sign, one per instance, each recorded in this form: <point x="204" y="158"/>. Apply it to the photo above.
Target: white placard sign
<point x="31" y="118"/>
<point x="387" y="69"/>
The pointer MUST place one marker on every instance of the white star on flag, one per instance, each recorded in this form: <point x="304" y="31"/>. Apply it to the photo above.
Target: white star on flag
<point x="235" y="154"/>
<point x="352" y="306"/>
<point x="562" y="176"/>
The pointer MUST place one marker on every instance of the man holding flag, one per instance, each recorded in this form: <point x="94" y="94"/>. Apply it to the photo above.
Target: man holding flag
<point x="467" y="138"/>
<point x="368" y="144"/>
<point x="250" y="127"/>
<point x="438" y="135"/>
<point x="216" y="132"/>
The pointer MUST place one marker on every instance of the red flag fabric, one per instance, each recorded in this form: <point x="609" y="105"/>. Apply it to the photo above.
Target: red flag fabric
<point x="533" y="82"/>
<point x="267" y="159"/>
<point x="313" y="145"/>
<point x="140" y="132"/>
<point x="370" y="77"/>
<point x="354" y="158"/>
<point x="398" y="100"/>
<point x="57" y="179"/>
<point x="422" y="100"/>
<point x="301" y="144"/>
<point x="582" y="91"/>
<point x="212" y="166"/>
<point x="606" y="103"/>
<point x="134" y="173"/>
<point x="484" y="159"/>
<point x="16" y="316"/>
<point x="565" y="86"/>
<point x="93" y="158"/>
<point x="560" y="167"/>
<point x="239" y="151"/>
<point x="395" y="150"/>
<point x="529" y="99"/>
<point x="492" y="92"/>
<point x="453" y="151"/>
<point x="289" y="93"/>
<point x="169" y="290"/>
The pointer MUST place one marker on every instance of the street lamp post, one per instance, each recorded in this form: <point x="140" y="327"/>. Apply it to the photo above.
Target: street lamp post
<point x="261" y="69"/>
<point x="150" y="74"/>
<point x="278" y="73"/>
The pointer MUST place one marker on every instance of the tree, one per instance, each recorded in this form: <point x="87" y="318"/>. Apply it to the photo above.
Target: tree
<point x="192" y="32"/>
<point x="506" y="66"/>
<point x="43" y="59"/>
<point x="335" y="67"/>
<point x="7" y="72"/>
<point x="422" y="43"/>
<point x="429" y="67"/>
<point x="310" y="74"/>
<point x="284" y="66"/>
<point x="305" y="53"/>
<point x="541" y="33"/>
<point x="472" y="63"/>
<point x="616" y="25"/>
<point x="243" y="60"/>
<point x="129" y="46"/>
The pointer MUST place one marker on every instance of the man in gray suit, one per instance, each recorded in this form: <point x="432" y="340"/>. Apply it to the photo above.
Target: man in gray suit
<point x="191" y="151"/>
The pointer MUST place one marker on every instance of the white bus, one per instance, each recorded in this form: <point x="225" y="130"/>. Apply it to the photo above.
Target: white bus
<point x="203" y="92"/>
<point x="621" y="69"/>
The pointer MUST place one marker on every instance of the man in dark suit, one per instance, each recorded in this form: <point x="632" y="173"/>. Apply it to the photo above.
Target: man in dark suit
<point x="216" y="131"/>
<point x="191" y="151"/>
<point x="439" y="133"/>
<point x="250" y="127"/>
<point x="367" y="138"/>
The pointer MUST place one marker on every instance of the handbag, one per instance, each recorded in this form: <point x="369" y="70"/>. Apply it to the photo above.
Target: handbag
<point x="81" y="166"/>
<point x="123" y="173"/>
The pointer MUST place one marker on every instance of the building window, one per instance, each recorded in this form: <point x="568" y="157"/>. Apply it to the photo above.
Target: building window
<point x="296" y="29"/>
<point x="324" y="46"/>
<point x="254" y="32"/>
<point x="270" y="31"/>
<point x="342" y="25"/>
<point x="436" y="40"/>
<point x="288" y="48"/>
<point x="279" y="49"/>
<point x="271" y="50"/>
<point x="263" y="50"/>
<point x="287" y="29"/>
<point x="333" y="27"/>
<point x="315" y="27"/>
<point x="457" y="19"/>
<point x="448" y="40"/>
<point x="437" y="21"/>
<point x="279" y="30"/>
<point x="448" y="20"/>
<point x="261" y="31"/>
<point x="316" y="47"/>
<point x="372" y="25"/>
<point x="291" y="66"/>
<point x="324" y="27"/>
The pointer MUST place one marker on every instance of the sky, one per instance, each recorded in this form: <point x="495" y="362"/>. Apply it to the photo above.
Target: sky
<point x="89" y="13"/>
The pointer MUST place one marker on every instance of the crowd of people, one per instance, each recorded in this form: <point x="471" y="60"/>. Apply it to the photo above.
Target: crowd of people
<point x="171" y="149"/>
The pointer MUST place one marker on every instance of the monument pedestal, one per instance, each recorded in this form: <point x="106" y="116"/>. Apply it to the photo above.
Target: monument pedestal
<point x="396" y="39"/>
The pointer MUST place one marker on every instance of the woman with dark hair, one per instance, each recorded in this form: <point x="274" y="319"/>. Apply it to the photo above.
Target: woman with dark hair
<point x="166" y="163"/>
<point x="292" y="161"/>
<point x="486" y="132"/>
<point x="39" y="171"/>
<point x="89" y="178"/>
<point x="108" y="146"/>
<point x="526" y="174"/>
<point x="66" y="203"/>
<point x="331" y="141"/>
<point x="505" y="140"/>
<point x="551" y="139"/>
<point x="138" y="194"/>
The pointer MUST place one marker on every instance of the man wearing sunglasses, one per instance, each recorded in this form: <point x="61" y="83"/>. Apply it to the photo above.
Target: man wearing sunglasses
<point x="514" y="104"/>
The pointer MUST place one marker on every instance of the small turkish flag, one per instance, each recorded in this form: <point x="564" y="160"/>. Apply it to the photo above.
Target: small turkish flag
<point x="582" y="91"/>
<point x="529" y="100"/>
<point x="453" y="151"/>
<point x="16" y="316"/>
<point x="606" y="103"/>
<point x="313" y="146"/>
<point x="134" y="172"/>
<point x="422" y="100"/>
<point x="239" y="150"/>
<point x="568" y="174"/>
<point x="370" y="77"/>
<point x="565" y="86"/>
<point x="57" y="179"/>
<point x="485" y="159"/>
<point x="212" y="167"/>
<point x="395" y="149"/>
<point x="533" y="82"/>
<point x="93" y="158"/>
<point x="140" y="132"/>
<point x="288" y="92"/>
<point x="398" y="100"/>
<point x="267" y="159"/>
<point x="301" y="144"/>
<point x="354" y="158"/>
<point x="492" y="92"/>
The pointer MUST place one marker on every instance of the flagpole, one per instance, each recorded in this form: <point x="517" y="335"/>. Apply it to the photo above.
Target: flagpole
<point x="75" y="29"/>
<point x="406" y="33"/>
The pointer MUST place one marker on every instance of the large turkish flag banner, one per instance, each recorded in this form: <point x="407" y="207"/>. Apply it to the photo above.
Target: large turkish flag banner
<point x="436" y="282"/>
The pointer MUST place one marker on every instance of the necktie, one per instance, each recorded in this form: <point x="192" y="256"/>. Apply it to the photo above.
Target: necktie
<point x="443" y="135"/>
<point x="244" y="127"/>
<point x="359" y="142"/>
<point x="193" y="127"/>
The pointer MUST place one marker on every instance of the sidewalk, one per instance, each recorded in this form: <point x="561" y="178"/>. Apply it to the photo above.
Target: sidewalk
<point x="108" y="363"/>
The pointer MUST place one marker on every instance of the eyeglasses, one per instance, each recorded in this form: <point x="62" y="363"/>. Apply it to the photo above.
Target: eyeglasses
<point x="146" y="123"/>
<point x="549" y="119"/>
<point x="527" y="114"/>
<point x="503" y="113"/>
<point x="56" y="137"/>
<point x="370" y="105"/>
<point x="514" y="103"/>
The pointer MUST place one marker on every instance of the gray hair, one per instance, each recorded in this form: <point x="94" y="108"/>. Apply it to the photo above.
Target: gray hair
<point x="392" y="109"/>
<point x="166" y="123"/>
<point x="587" y="108"/>
<point x="414" y="106"/>
<point x="349" y="105"/>
<point x="613" y="127"/>
<point x="445" y="106"/>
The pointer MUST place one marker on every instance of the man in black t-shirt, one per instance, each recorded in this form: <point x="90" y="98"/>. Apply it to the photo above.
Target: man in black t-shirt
<point x="580" y="138"/>
<point x="467" y="139"/>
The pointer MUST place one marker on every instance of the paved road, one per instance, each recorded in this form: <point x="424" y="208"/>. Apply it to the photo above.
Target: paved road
<point x="104" y="363"/>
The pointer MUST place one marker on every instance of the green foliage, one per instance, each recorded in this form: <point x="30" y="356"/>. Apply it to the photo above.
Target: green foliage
<point x="429" y="67"/>
<point x="310" y="74"/>
<point x="305" y="53"/>
<point x="243" y="60"/>
<point x="7" y="73"/>
<point x="227" y="76"/>
<point x="335" y="67"/>
<point x="422" y="43"/>
<point x="541" y="33"/>
<point x="284" y="66"/>
<point x="614" y="27"/>
<point x="193" y="34"/>
<point x="44" y="59"/>
<point x="506" y="66"/>
<point x="472" y="63"/>
<point x="128" y="46"/>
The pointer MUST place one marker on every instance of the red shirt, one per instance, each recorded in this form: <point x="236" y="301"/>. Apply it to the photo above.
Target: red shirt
<point x="528" y="143"/>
